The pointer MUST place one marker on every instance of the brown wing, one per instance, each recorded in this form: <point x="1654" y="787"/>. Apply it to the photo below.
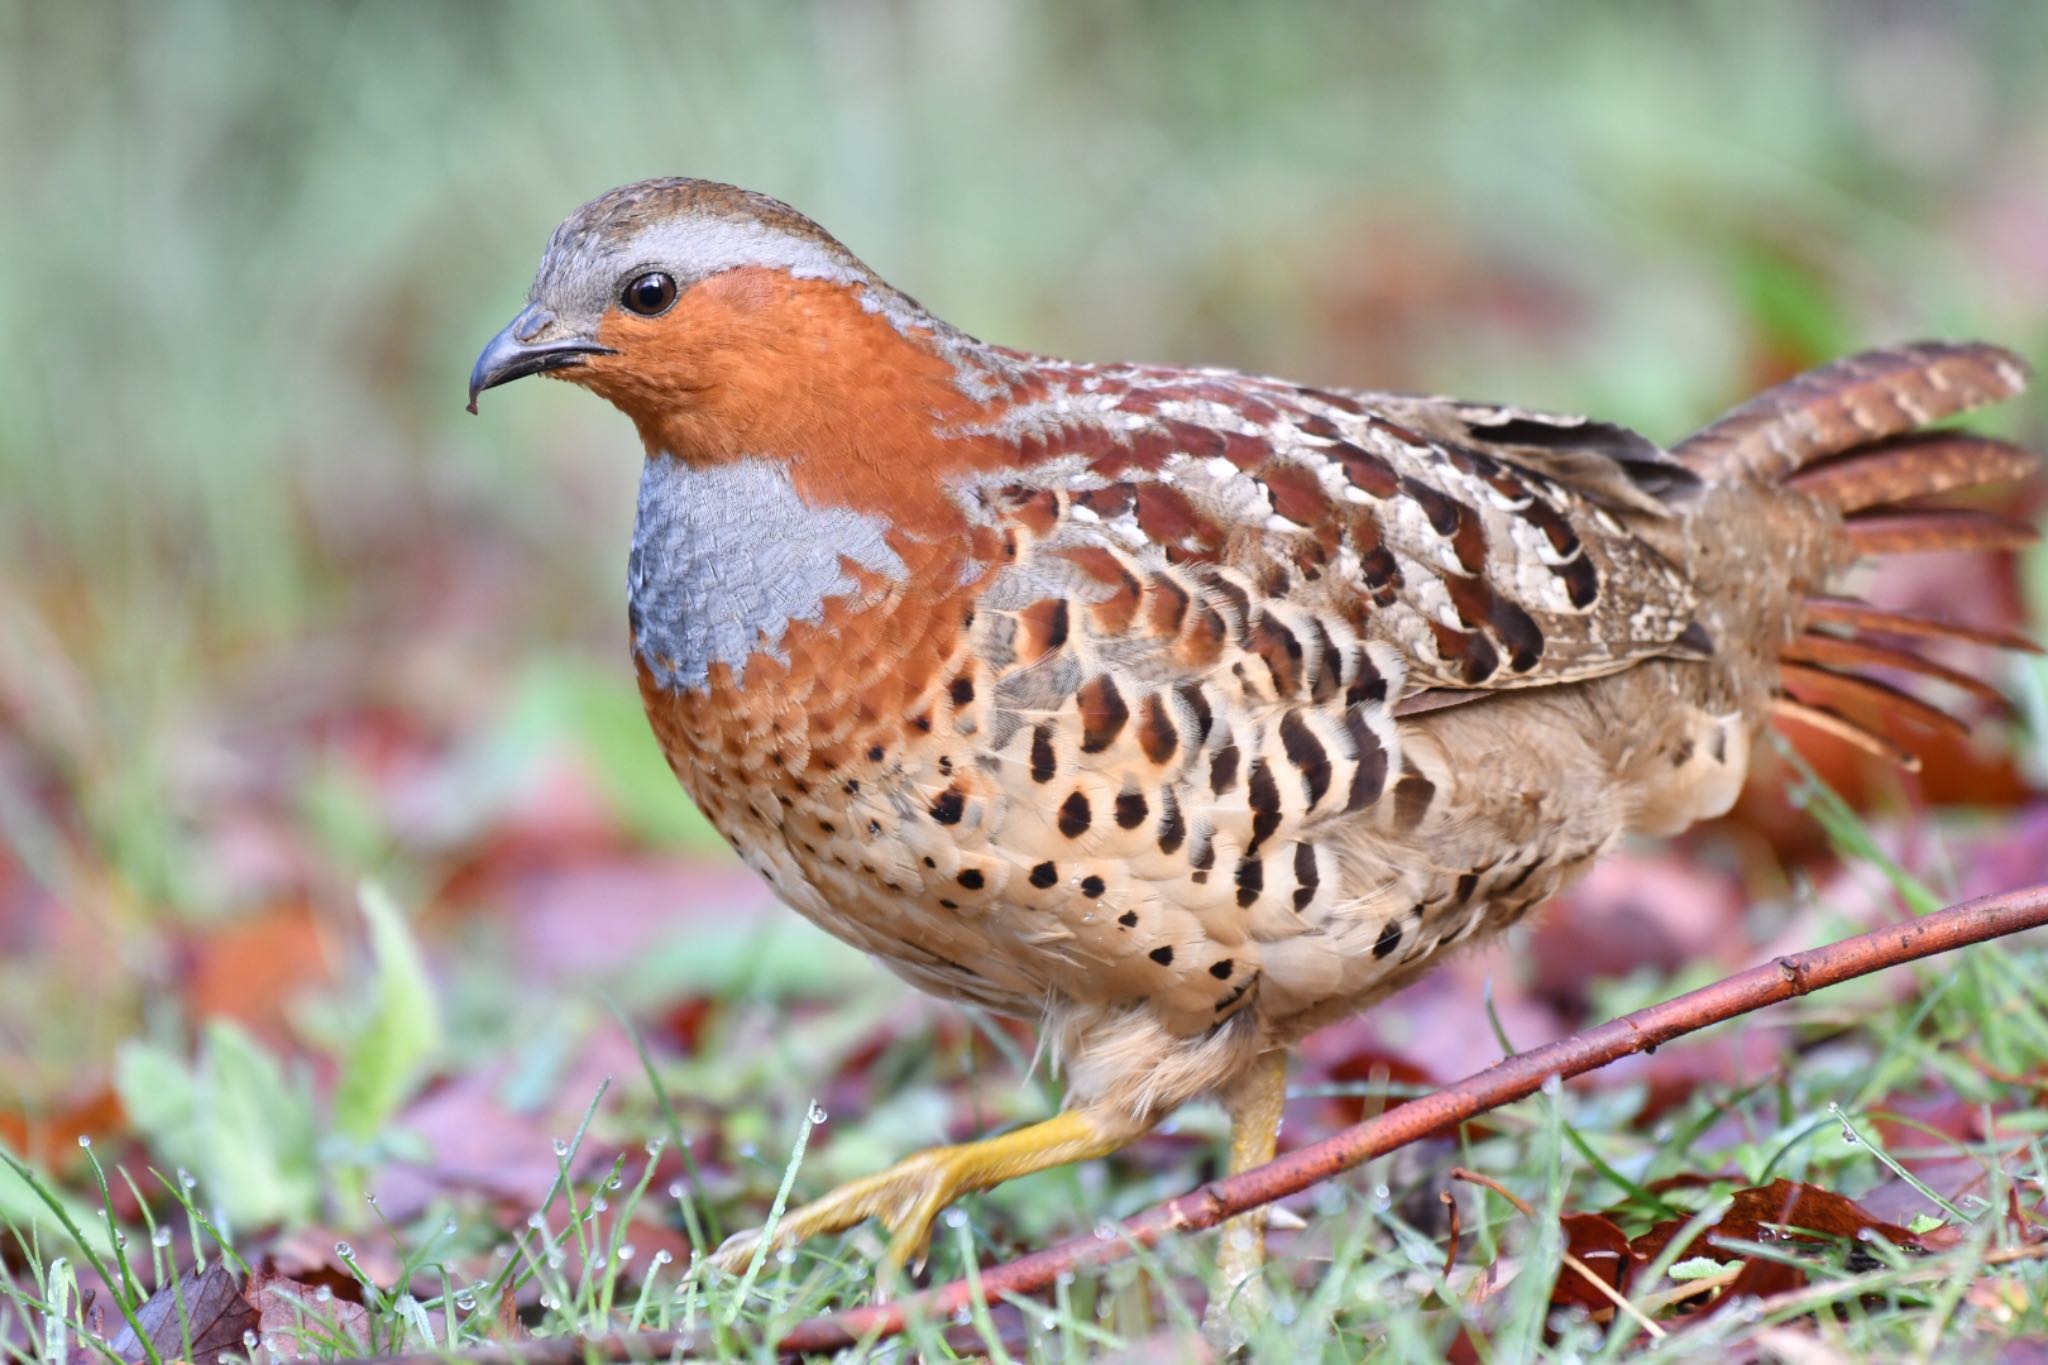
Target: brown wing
<point x="1491" y="547"/>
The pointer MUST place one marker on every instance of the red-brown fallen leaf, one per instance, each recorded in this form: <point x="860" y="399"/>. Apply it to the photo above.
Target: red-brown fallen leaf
<point x="39" y="1137"/>
<point x="1787" y="1212"/>
<point x="293" y="1320"/>
<point x="215" y="1312"/>
<point x="250" y="967"/>
<point x="1603" y="1248"/>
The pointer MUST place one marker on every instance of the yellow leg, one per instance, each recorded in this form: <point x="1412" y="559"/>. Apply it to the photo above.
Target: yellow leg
<point x="1254" y="1100"/>
<point x="910" y="1194"/>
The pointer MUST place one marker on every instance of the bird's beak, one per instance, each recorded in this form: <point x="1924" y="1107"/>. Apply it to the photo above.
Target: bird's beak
<point x="524" y="348"/>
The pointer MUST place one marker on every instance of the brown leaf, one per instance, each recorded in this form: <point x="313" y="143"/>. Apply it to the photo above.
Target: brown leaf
<point x="296" y="1321"/>
<point x="1603" y="1248"/>
<point x="215" y="1312"/>
<point x="1787" y="1212"/>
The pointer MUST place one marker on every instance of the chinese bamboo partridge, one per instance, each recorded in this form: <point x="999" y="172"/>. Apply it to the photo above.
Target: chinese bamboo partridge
<point x="1186" y="710"/>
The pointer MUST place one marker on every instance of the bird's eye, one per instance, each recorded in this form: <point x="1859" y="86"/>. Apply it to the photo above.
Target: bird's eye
<point x="649" y="295"/>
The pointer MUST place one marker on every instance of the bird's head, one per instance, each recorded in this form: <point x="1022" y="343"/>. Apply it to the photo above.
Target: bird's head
<point x="701" y="310"/>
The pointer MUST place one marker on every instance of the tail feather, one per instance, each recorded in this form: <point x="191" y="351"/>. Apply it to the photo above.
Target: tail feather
<point x="1828" y="719"/>
<point x="1855" y="615"/>
<point x="1853" y="402"/>
<point x="1925" y="530"/>
<point x="1846" y="436"/>
<point x="1855" y="687"/>
<point x="1833" y="651"/>
<point x="1911" y="467"/>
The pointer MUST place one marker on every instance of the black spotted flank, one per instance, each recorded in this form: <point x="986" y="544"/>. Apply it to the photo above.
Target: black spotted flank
<point x="1222" y="968"/>
<point x="1044" y="875"/>
<point x="1173" y="826"/>
<point x="1308" y="756"/>
<point x="1103" y="713"/>
<point x="1251" y="880"/>
<point x="1131" y="810"/>
<point x="1092" y="887"/>
<point x="1192" y="697"/>
<point x="1370" y="774"/>
<point x="1263" y="792"/>
<point x="962" y="691"/>
<point x="1305" y="877"/>
<point x="1128" y="919"/>
<point x="1388" y="941"/>
<point x="1163" y="956"/>
<point x="1043" y="765"/>
<point x="1158" y="735"/>
<point x="1075" y="816"/>
<point x="971" y="879"/>
<point x="949" y="807"/>
<point x="1223" y="769"/>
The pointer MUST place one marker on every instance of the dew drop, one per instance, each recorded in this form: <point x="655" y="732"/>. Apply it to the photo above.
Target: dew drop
<point x="465" y="1303"/>
<point x="1105" y="1232"/>
<point x="785" y="1256"/>
<point x="598" y="1262"/>
<point x="324" y="1294"/>
<point x="750" y="1150"/>
<point x="626" y="1252"/>
<point x="599" y="1204"/>
<point x="85" y="1141"/>
<point x="956" y="1218"/>
<point x="655" y="1145"/>
<point x="248" y="1341"/>
<point x="617" y="1182"/>
<point x="160" y="1238"/>
<point x="660" y="1257"/>
<point x="555" y="1259"/>
<point x="344" y="1250"/>
<point x="675" y="1189"/>
<point x="185" y="1178"/>
<point x="561" y="1147"/>
<point x="963" y="1315"/>
<point x="1049" y="1322"/>
<point x="120" y="1239"/>
<point x="536" y="1221"/>
<point x="448" y="1228"/>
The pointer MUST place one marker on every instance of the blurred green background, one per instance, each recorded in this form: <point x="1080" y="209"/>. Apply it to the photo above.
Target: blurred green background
<point x="276" y="614"/>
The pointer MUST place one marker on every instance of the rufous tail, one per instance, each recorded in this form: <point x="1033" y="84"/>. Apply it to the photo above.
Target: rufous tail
<point x="1849" y="434"/>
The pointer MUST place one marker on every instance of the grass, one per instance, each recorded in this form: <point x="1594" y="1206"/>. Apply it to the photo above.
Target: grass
<point x="276" y="619"/>
<point x="1364" y="1275"/>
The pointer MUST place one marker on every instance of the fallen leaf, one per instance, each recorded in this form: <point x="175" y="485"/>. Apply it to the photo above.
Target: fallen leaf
<point x="294" y="1320"/>
<point x="215" y="1312"/>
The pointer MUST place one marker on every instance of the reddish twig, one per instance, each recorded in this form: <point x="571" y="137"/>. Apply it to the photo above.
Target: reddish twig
<point x="1512" y="1079"/>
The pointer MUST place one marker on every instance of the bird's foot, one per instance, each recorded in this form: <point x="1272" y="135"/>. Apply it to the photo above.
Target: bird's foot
<point x="909" y="1195"/>
<point x="904" y="1199"/>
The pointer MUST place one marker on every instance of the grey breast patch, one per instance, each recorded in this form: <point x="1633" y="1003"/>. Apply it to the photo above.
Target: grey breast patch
<point x="725" y="558"/>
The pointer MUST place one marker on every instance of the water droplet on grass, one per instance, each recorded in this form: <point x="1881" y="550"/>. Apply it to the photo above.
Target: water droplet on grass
<point x="160" y="1238"/>
<point x="85" y="1141"/>
<point x="344" y="1250"/>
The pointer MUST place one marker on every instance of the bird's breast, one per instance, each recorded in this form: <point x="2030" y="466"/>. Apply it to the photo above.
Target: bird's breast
<point x="729" y="558"/>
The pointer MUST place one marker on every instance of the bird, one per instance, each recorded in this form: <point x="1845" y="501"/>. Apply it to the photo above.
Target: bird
<point x="1184" y="711"/>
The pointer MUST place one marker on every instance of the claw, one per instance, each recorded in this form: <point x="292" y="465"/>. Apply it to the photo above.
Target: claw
<point x="908" y="1196"/>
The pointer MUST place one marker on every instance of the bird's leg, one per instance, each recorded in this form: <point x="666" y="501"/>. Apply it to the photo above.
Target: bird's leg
<point x="910" y="1194"/>
<point x="1254" y="1101"/>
